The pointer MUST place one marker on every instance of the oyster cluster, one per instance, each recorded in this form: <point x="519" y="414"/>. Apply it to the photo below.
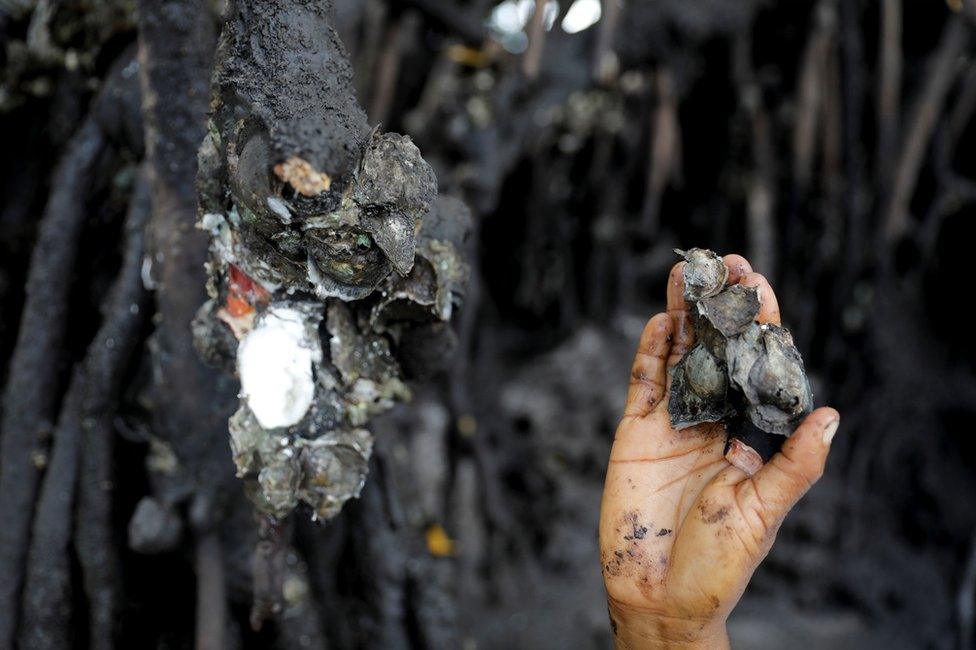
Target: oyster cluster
<point x="317" y="360"/>
<point x="740" y="372"/>
<point x="315" y="367"/>
<point x="334" y="266"/>
<point x="310" y="237"/>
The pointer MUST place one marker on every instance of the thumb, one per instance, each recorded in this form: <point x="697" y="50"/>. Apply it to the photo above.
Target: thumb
<point x="796" y="467"/>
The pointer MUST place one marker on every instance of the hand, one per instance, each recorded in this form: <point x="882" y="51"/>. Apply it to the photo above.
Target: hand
<point x="682" y="526"/>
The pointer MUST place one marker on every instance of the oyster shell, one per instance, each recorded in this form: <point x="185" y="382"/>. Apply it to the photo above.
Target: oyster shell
<point x="334" y="468"/>
<point x="732" y="310"/>
<point x="392" y="173"/>
<point x="704" y="274"/>
<point x="699" y="386"/>
<point x="766" y="367"/>
<point x="279" y="480"/>
<point x="748" y="375"/>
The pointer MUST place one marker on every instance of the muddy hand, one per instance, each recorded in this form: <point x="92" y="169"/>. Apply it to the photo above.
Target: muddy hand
<point x="683" y="527"/>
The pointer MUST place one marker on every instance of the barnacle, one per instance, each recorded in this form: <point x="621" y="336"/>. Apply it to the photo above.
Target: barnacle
<point x="704" y="273"/>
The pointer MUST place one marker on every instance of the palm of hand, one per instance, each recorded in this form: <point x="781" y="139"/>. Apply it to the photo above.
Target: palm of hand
<point x="667" y="551"/>
<point x="682" y="528"/>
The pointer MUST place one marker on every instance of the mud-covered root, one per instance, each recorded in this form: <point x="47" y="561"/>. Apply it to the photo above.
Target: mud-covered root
<point x="29" y="402"/>
<point x="49" y="595"/>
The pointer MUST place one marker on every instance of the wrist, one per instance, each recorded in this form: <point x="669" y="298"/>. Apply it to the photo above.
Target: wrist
<point x="636" y="630"/>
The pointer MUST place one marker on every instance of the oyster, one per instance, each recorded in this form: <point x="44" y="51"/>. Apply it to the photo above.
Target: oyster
<point x="732" y="310"/>
<point x="279" y="480"/>
<point x="746" y="374"/>
<point x="334" y="469"/>
<point x="699" y="385"/>
<point x="767" y="368"/>
<point x="704" y="274"/>
<point x="393" y="173"/>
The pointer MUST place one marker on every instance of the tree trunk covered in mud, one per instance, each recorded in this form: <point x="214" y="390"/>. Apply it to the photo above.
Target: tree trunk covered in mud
<point x="831" y="142"/>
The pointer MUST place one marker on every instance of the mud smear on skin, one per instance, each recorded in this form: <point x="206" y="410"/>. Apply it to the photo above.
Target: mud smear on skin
<point x="637" y="558"/>
<point x="710" y="516"/>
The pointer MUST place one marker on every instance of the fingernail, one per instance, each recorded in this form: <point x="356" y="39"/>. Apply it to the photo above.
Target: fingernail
<point x="744" y="457"/>
<point x="830" y="430"/>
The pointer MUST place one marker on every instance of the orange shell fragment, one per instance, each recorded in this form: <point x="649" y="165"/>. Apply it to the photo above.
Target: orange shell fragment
<point x="237" y="306"/>
<point x="244" y="296"/>
<point x="300" y="174"/>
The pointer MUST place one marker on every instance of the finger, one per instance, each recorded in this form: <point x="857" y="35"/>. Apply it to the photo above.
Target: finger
<point x="738" y="266"/>
<point x="768" y="305"/>
<point x="731" y="475"/>
<point x="788" y="475"/>
<point x="676" y="289"/>
<point x="649" y="372"/>
<point x="741" y="455"/>
<point x="683" y="333"/>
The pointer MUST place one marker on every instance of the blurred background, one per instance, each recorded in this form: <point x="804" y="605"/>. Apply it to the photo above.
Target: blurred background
<point x="833" y="143"/>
